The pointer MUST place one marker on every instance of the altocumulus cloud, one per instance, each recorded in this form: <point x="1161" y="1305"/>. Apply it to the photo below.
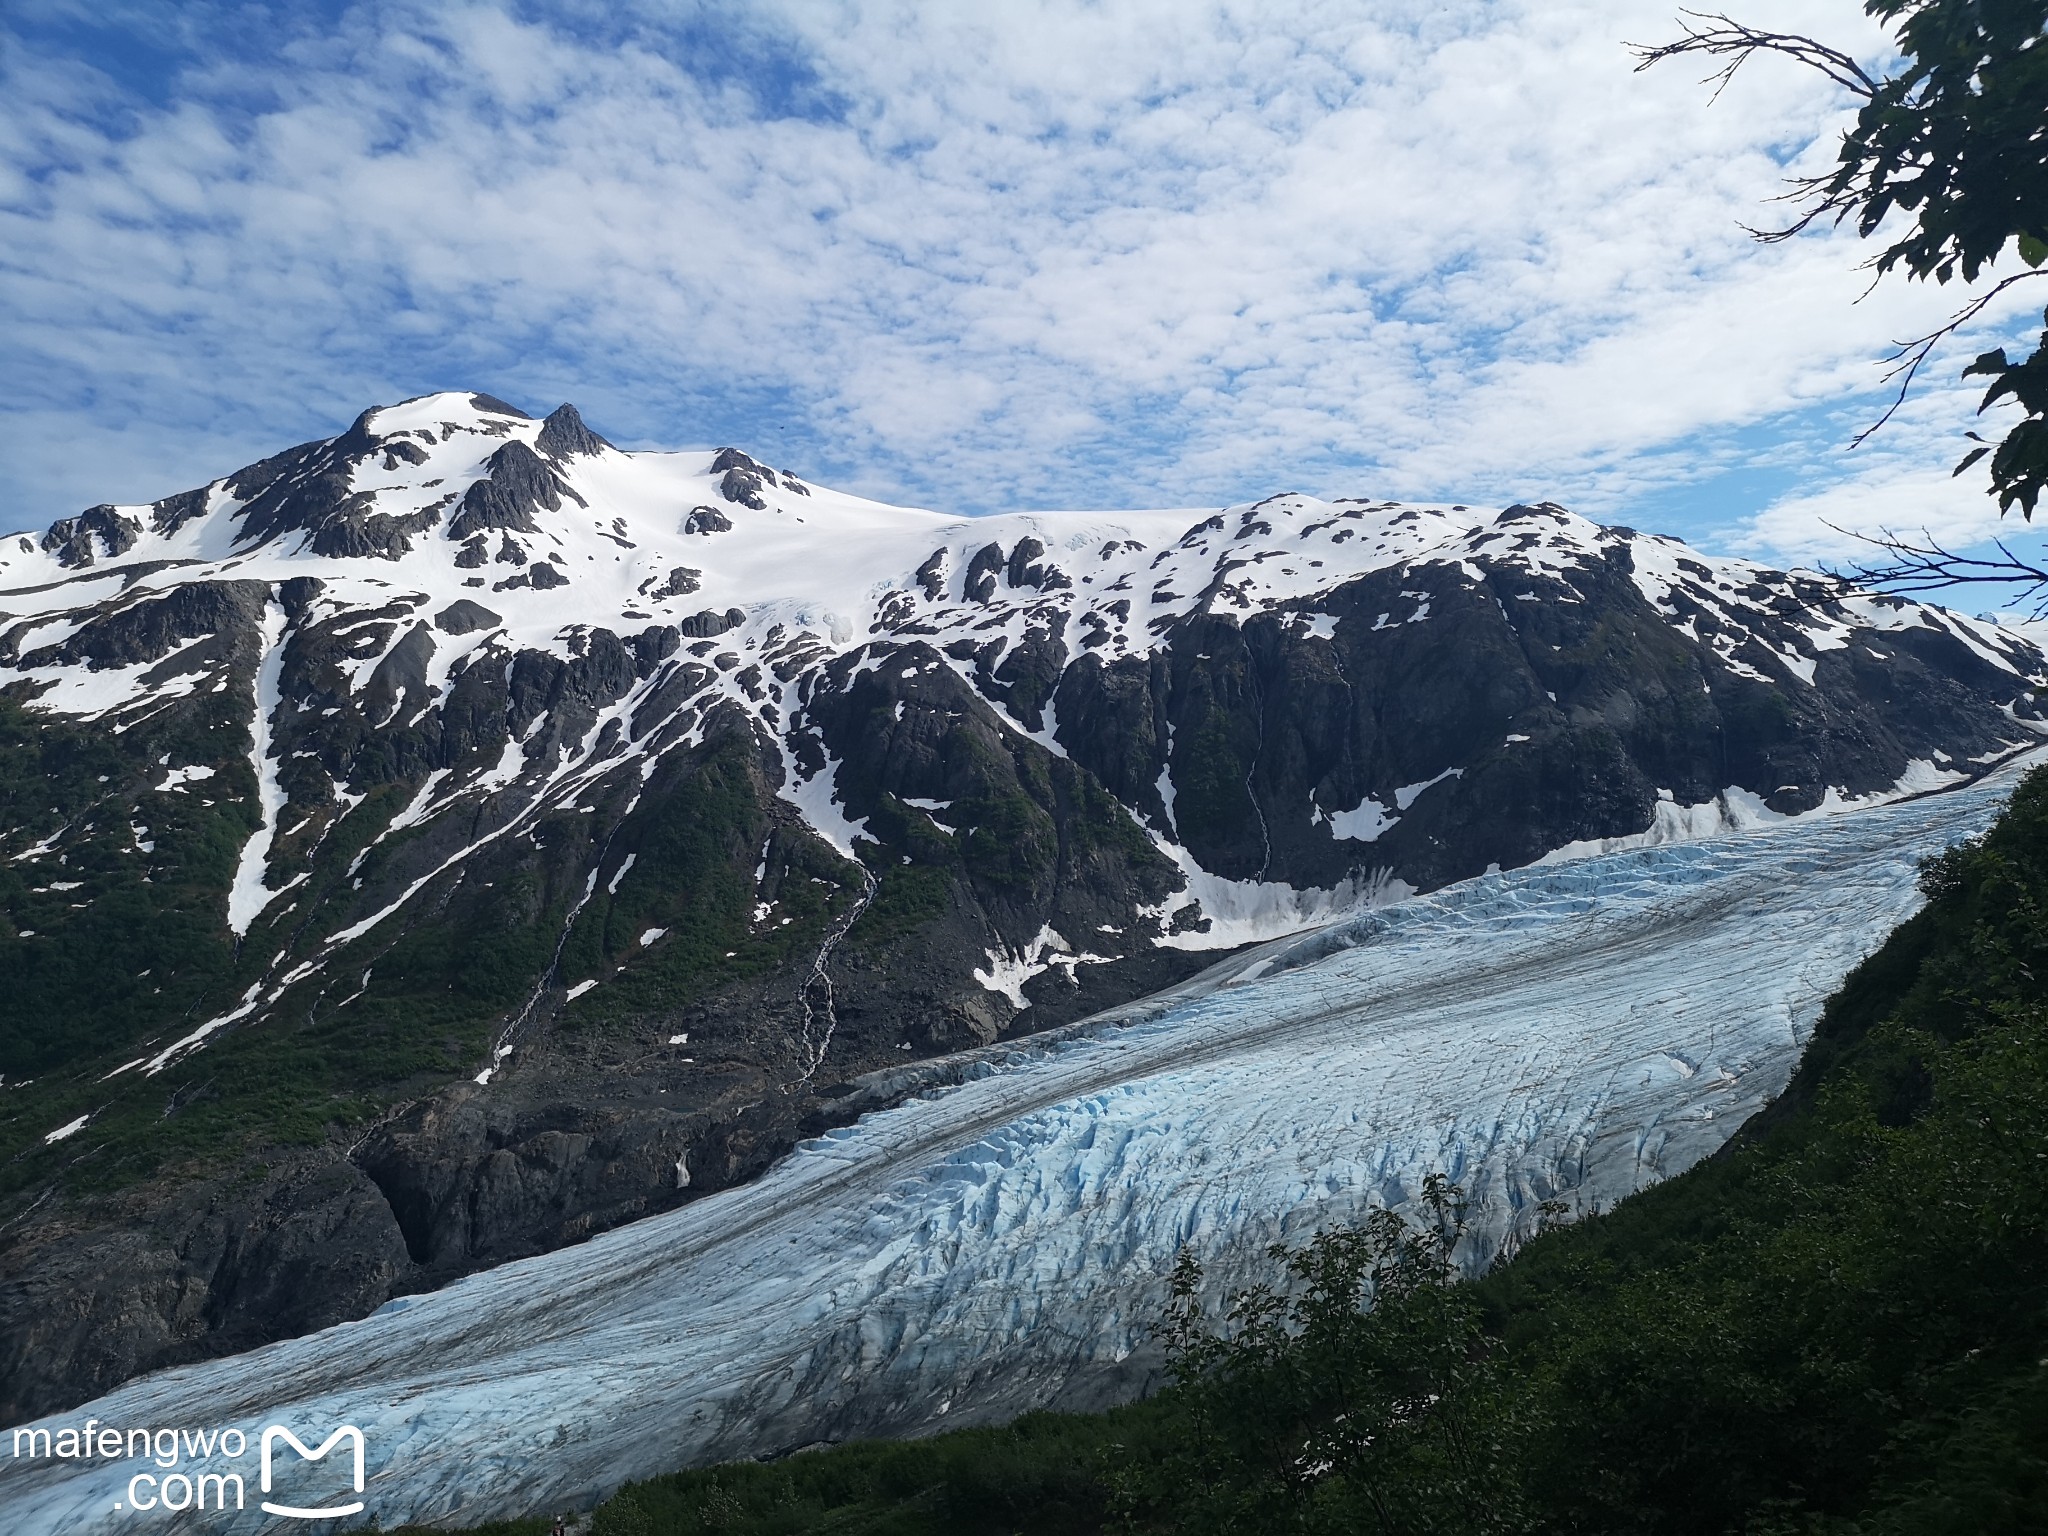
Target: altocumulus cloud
<point x="1041" y="253"/>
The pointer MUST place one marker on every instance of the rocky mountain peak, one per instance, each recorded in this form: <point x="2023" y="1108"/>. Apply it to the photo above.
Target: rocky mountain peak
<point x="564" y="436"/>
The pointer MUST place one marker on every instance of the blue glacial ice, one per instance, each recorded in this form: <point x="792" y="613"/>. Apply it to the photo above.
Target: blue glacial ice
<point x="1000" y="1241"/>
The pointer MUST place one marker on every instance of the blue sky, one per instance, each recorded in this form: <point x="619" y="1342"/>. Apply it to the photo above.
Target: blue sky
<point x="976" y="257"/>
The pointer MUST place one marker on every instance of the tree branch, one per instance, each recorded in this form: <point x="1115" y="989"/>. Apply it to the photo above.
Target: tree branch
<point x="1930" y="567"/>
<point x="1720" y="36"/>
<point x="1910" y="355"/>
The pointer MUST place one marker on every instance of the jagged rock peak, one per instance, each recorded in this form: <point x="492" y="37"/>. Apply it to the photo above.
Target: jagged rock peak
<point x="563" y="435"/>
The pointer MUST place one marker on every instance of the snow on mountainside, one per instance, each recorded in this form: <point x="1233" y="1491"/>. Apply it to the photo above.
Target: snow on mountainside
<point x="496" y="836"/>
<point x="483" y="533"/>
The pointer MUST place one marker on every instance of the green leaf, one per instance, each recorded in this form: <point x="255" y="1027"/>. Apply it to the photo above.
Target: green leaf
<point x="2033" y="250"/>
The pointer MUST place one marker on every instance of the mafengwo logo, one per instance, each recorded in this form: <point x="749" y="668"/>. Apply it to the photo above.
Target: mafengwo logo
<point x="347" y="1432"/>
<point x="204" y="1469"/>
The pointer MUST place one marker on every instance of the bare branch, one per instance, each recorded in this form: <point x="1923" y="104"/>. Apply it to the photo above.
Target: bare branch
<point x="1827" y="198"/>
<point x="1928" y="566"/>
<point x="1722" y="37"/>
<point x="1910" y="355"/>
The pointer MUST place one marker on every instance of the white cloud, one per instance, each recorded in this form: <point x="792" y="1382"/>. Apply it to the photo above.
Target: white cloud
<point x="1908" y="502"/>
<point x="1037" y="253"/>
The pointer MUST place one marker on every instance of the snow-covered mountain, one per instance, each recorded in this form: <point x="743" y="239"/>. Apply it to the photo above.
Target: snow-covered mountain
<point x="437" y="843"/>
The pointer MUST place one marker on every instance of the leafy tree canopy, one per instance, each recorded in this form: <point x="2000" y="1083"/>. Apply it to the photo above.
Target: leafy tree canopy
<point x="1956" y="139"/>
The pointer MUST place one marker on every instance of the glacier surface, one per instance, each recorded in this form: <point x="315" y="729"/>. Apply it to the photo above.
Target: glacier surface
<point x="1000" y="1241"/>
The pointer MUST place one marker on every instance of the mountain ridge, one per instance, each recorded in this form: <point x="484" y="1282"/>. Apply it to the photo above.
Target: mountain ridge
<point x="519" y="835"/>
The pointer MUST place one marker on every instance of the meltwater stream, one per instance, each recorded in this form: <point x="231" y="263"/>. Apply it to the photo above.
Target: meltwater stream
<point x="1574" y="1031"/>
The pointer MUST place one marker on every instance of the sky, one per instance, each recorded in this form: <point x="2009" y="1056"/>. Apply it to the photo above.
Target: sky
<point x="978" y="257"/>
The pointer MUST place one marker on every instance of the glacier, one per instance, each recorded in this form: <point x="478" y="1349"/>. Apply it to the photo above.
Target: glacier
<point x="999" y="1240"/>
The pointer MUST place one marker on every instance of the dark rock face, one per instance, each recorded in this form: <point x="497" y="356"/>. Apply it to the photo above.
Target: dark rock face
<point x="652" y="646"/>
<point x="704" y="625"/>
<point x="519" y="485"/>
<point x="72" y="538"/>
<point x="1036" y="841"/>
<point x="398" y="685"/>
<point x="303" y="489"/>
<point x="250" y="483"/>
<point x="744" y="478"/>
<point x="209" y="1272"/>
<point x="564" y="436"/>
<point x="473" y="1182"/>
<point x="146" y="629"/>
<point x="1532" y="724"/>
<point x="708" y="520"/>
<point x="463" y="617"/>
<point x="742" y="488"/>
<point x="682" y="581"/>
<point x="351" y="529"/>
<point x="980" y="583"/>
<point x="1024" y="569"/>
<point x="174" y="512"/>
<point x="310" y="490"/>
<point x="727" y="460"/>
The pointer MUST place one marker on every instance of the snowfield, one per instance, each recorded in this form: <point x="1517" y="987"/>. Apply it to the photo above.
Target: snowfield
<point x="1573" y="1031"/>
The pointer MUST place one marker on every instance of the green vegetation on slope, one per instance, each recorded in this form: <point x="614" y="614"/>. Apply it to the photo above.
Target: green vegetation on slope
<point x="1838" y="1326"/>
<point x="413" y="1004"/>
<point x="114" y="915"/>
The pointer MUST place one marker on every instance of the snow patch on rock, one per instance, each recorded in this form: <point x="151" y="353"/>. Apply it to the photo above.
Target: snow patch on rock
<point x="247" y="896"/>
